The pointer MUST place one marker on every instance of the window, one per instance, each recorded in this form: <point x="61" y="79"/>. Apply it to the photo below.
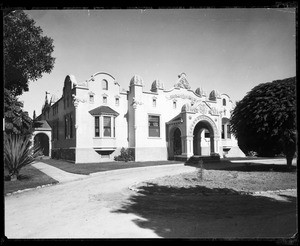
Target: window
<point x="223" y="131"/>
<point x="117" y="101"/>
<point x="68" y="101"/>
<point x="91" y="98"/>
<point x="228" y="132"/>
<point x="224" y="102"/>
<point x="71" y="126"/>
<point x="105" y="99"/>
<point x="206" y="134"/>
<point x="114" y="127"/>
<point x="66" y="127"/>
<point x="57" y="130"/>
<point x="104" y="85"/>
<point x="154" y="130"/>
<point x="106" y="126"/>
<point x="174" y="104"/>
<point x="154" y="102"/>
<point x="97" y="127"/>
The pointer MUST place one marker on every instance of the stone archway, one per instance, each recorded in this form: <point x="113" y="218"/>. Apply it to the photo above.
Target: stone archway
<point x="200" y="123"/>
<point x="203" y="141"/>
<point x="42" y="140"/>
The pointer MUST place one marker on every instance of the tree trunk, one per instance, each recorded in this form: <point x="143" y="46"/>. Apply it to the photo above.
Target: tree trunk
<point x="13" y="177"/>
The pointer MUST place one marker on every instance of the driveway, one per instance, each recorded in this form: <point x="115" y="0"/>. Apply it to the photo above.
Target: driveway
<point x="82" y="208"/>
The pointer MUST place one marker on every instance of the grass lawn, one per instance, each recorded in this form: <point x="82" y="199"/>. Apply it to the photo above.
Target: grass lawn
<point x="29" y="177"/>
<point x="88" y="168"/>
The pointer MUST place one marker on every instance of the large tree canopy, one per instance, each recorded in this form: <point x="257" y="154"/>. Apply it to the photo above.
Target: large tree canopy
<point x="16" y="120"/>
<point x="265" y="119"/>
<point x="27" y="53"/>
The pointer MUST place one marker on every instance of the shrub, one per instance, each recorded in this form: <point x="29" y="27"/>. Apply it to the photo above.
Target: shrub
<point x="126" y="155"/>
<point x="18" y="152"/>
<point x="252" y="153"/>
<point x="214" y="154"/>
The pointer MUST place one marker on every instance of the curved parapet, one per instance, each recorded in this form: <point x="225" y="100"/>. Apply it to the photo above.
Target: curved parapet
<point x="98" y="73"/>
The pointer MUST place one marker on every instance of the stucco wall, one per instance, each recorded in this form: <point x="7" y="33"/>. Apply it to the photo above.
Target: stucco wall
<point x="132" y="125"/>
<point x="89" y="155"/>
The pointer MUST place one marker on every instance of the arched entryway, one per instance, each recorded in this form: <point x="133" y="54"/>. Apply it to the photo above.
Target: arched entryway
<point x="42" y="140"/>
<point x="175" y="143"/>
<point x="203" y="141"/>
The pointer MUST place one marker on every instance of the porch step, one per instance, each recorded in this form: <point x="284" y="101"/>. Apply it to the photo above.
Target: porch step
<point x="206" y="159"/>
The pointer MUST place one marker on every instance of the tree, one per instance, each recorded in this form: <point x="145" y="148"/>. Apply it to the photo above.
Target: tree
<point x="27" y="53"/>
<point x="265" y="119"/>
<point x="16" y="120"/>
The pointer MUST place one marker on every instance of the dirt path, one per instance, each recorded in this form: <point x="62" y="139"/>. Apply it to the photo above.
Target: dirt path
<point x="107" y="205"/>
<point x="82" y="208"/>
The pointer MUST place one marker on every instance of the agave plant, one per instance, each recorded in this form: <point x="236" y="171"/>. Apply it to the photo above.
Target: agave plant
<point x="18" y="152"/>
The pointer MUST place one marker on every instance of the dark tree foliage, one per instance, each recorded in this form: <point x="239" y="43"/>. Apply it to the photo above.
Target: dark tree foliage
<point x="17" y="121"/>
<point x="265" y="119"/>
<point x="27" y="53"/>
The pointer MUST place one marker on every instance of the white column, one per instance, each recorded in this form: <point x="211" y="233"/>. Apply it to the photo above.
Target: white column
<point x="188" y="146"/>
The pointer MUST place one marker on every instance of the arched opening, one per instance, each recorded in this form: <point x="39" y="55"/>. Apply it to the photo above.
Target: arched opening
<point x="203" y="141"/>
<point x="175" y="143"/>
<point x="42" y="140"/>
<point x="104" y="85"/>
<point x="224" y="102"/>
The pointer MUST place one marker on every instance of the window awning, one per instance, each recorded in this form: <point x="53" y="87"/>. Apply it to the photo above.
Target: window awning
<point x="103" y="110"/>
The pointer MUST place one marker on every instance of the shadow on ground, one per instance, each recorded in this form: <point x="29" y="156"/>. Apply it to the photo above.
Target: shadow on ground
<point x="200" y="212"/>
<point x="246" y="167"/>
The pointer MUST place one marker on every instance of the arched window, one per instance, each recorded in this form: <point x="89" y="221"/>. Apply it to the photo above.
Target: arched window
<point x="224" y="102"/>
<point x="104" y="85"/>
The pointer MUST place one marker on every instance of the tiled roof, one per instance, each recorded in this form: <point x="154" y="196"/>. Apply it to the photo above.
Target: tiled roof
<point x="103" y="110"/>
<point x="41" y="124"/>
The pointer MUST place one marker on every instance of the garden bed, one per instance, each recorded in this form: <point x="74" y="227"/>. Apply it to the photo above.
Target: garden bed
<point x="29" y="177"/>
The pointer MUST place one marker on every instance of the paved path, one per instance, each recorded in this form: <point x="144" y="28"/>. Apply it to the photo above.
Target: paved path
<point x="83" y="208"/>
<point x="56" y="173"/>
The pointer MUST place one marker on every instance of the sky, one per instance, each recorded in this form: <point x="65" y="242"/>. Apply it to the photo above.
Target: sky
<point x="229" y="50"/>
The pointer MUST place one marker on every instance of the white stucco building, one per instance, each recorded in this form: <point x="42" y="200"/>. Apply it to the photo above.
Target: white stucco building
<point x="93" y="120"/>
